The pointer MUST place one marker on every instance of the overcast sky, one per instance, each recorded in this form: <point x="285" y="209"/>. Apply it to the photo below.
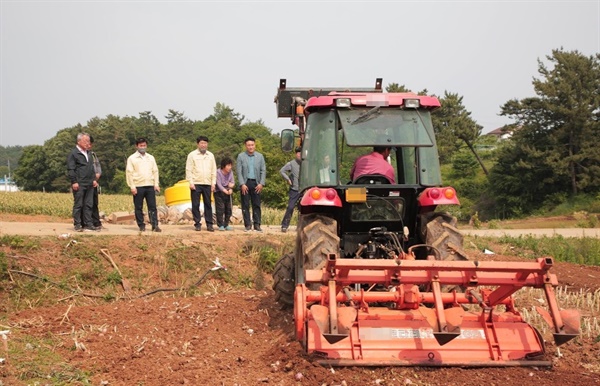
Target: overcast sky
<point x="64" y="62"/>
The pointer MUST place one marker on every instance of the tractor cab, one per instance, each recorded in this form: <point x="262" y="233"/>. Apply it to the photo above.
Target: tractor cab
<point x="341" y="127"/>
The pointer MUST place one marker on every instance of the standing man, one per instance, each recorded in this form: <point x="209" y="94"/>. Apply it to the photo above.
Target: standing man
<point x="80" y="169"/>
<point x="142" y="178"/>
<point x="251" y="174"/>
<point x="201" y="172"/>
<point x="98" y="170"/>
<point x="291" y="172"/>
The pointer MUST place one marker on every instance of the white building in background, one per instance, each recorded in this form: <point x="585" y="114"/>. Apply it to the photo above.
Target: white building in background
<point x="8" y="185"/>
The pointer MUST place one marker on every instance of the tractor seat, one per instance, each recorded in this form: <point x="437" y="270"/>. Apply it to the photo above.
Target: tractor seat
<point x="371" y="179"/>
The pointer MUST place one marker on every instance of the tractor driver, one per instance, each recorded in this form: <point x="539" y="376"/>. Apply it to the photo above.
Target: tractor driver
<point x="374" y="163"/>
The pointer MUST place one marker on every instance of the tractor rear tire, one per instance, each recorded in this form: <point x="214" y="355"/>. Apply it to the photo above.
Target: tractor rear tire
<point x="319" y="238"/>
<point x="438" y="229"/>
<point x="283" y="281"/>
<point x="316" y="238"/>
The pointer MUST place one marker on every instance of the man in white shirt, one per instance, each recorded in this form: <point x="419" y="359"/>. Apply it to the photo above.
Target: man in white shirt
<point x="201" y="172"/>
<point x="142" y="178"/>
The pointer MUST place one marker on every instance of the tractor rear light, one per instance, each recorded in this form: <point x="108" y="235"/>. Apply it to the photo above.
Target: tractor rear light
<point x="343" y="102"/>
<point x="318" y="196"/>
<point x="449" y="193"/>
<point x="330" y="194"/>
<point x="315" y="194"/>
<point x="438" y="196"/>
<point x="412" y="103"/>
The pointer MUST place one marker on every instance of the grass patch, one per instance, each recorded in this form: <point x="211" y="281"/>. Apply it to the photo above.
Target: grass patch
<point x="584" y="250"/>
<point x="24" y="244"/>
<point x="37" y="363"/>
<point x="267" y="258"/>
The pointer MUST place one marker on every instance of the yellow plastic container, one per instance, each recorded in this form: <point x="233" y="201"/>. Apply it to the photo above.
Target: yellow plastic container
<point x="178" y="194"/>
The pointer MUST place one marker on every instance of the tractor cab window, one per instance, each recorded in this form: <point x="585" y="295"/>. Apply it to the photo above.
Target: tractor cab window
<point x="334" y="139"/>
<point x="408" y="132"/>
<point x="319" y="162"/>
<point x="378" y="209"/>
<point x="385" y="127"/>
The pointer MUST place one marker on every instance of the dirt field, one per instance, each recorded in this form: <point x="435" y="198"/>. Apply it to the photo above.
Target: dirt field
<point x="82" y="327"/>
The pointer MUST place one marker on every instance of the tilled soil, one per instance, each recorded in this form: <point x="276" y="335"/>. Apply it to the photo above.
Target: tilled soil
<point x="221" y="335"/>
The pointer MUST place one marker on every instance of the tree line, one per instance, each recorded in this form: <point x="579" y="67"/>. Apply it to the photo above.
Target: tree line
<point x="551" y="156"/>
<point x="43" y="167"/>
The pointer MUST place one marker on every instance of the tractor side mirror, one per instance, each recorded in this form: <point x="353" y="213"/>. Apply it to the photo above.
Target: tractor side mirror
<point x="288" y="140"/>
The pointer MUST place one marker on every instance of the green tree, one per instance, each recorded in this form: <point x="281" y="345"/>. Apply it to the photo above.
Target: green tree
<point x="9" y="159"/>
<point x="146" y="125"/>
<point x="112" y="147"/>
<point x="554" y="135"/>
<point x="114" y="139"/>
<point x="454" y="127"/>
<point x="224" y="113"/>
<point x="464" y="165"/>
<point x="170" y="159"/>
<point x="31" y="174"/>
<point x="395" y="87"/>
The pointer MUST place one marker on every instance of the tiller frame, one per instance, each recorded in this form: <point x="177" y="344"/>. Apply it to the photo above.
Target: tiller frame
<point x="350" y="320"/>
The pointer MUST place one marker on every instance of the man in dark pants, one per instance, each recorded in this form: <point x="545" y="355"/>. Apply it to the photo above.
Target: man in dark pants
<point x="251" y="174"/>
<point x="98" y="170"/>
<point x="201" y="172"/>
<point x="80" y="169"/>
<point x="142" y="178"/>
<point x="291" y="172"/>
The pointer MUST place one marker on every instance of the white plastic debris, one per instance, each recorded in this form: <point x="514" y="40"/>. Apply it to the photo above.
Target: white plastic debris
<point x="488" y="252"/>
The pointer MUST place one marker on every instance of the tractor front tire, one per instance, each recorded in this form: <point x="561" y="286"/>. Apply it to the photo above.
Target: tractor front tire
<point x="316" y="238"/>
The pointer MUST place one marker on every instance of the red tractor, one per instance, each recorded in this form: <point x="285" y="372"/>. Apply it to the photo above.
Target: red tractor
<point x="378" y="276"/>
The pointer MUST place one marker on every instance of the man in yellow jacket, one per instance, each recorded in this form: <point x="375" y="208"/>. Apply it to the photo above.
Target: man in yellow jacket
<point x="201" y="172"/>
<point x="142" y="178"/>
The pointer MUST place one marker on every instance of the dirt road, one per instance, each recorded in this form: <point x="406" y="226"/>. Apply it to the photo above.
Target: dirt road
<point x="60" y="228"/>
<point x="64" y="228"/>
<point x="565" y="232"/>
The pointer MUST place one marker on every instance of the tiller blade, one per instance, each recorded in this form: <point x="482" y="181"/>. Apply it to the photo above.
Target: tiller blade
<point x="453" y="317"/>
<point x="571" y="320"/>
<point x="372" y="313"/>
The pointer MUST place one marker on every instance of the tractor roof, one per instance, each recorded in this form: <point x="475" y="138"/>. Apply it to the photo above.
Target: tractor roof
<point x="371" y="99"/>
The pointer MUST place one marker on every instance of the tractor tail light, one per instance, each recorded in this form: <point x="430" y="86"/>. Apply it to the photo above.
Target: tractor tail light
<point x="315" y="194"/>
<point x="323" y="197"/>
<point x="330" y="194"/>
<point x="449" y="193"/>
